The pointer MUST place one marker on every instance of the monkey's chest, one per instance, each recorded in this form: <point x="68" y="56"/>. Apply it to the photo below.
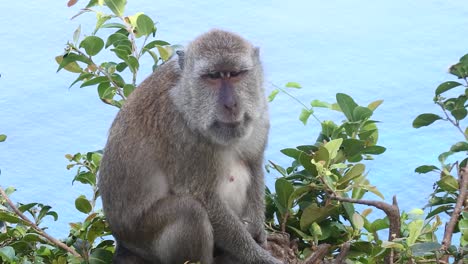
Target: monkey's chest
<point x="233" y="186"/>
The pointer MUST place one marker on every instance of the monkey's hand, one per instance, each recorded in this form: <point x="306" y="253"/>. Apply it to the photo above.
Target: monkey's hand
<point x="257" y="231"/>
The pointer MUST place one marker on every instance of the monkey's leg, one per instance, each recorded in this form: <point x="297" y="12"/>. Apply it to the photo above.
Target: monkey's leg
<point x="125" y="256"/>
<point x="175" y="229"/>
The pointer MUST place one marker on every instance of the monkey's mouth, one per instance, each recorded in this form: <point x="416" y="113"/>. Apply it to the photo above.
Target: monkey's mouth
<point x="228" y="125"/>
<point x="232" y="125"/>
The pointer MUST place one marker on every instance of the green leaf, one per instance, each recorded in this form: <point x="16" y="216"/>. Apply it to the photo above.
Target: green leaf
<point x="71" y="66"/>
<point x="443" y="87"/>
<point x="2" y="137"/>
<point x="164" y="52"/>
<point x="414" y="228"/>
<point x="92" y="45"/>
<point x="115" y="38"/>
<point x="347" y="105"/>
<point x="306" y="162"/>
<point x="374" y="150"/>
<point x="272" y="95"/>
<point x="322" y="155"/>
<point x="154" y="44"/>
<point x="7" y="254"/>
<point x="352" y="147"/>
<point x="284" y="189"/>
<point x="442" y="157"/>
<point x="116" y="6"/>
<point x="355" y="171"/>
<point x="448" y="183"/>
<point x="425" y="120"/>
<point x="357" y="221"/>
<point x="298" y="193"/>
<point x="460" y="146"/>
<point x="100" y="255"/>
<point x="128" y="89"/>
<point x="82" y="204"/>
<point x="318" y="103"/>
<point x="94" y="81"/>
<point x="83" y="76"/>
<point x="101" y="19"/>
<point x="9" y="218"/>
<point x="145" y="25"/>
<point x="293" y="85"/>
<point x="25" y="207"/>
<point x="422" y="249"/>
<point x="438" y="210"/>
<point x="133" y="64"/>
<point x="114" y="25"/>
<point x="313" y="214"/>
<point x="459" y="113"/>
<point x="333" y="146"/>
<point x="305" y="114"/>
<point x="426" y="169"/>
<point x="76" y="34"/>
<point x="372" y="106"/>
<point x="361" y="113"/>
<point x="86" y="177"/>
<point x="373" y="190"/>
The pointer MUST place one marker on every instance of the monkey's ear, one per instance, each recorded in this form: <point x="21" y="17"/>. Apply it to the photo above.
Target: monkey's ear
<point x="181" y="55"/>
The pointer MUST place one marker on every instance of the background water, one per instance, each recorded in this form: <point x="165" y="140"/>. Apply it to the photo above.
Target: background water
<point x="398" y="51"/>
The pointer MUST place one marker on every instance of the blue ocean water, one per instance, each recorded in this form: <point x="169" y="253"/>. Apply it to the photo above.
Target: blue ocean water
<point x="398" y="51"/>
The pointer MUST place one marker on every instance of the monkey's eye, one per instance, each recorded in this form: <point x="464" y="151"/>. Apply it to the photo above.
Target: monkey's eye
<point x="235" y="74"/>
<point x="213" y="75"/>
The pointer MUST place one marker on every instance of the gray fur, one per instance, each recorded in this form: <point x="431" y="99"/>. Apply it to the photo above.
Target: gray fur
<point x="173" y="147"/>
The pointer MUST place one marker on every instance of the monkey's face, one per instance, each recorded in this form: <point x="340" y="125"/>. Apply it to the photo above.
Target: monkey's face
<point x="220" y="91"/>
<point x="227" y="97"/>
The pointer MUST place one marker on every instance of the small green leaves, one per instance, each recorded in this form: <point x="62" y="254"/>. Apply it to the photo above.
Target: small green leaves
<point x="425" y="169"/>
<point x="425" y="120"/>
<point x="460" y="146"/>
<point x="145" y="25"/>
<point x="372" y="106"/>
<point x="284" y="189"/>
<point x="83" y="205"/>
<point x="293" y="85"/>
<point x="347" y="105"/>
<point x="7" y="254"/>
<point x="272" y="95"/>
<point x="443" y="87"/>
<point x="318" y="103"/>
<point x="92" y="45"/>
<point x="116" y="6"/>
<point x="100" y="256"/>
<point x="305" y="114"/>
<point x="2" y="137"/>
<point x="333" y="146"/>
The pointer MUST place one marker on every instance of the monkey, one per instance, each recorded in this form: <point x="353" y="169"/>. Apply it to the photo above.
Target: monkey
<point x="181" y="178"/>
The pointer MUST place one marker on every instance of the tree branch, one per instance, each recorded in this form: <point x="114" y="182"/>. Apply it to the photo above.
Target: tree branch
<point x="391" y="210"/>
<point x="462" y="186"/>
<point x="36" y="228"/>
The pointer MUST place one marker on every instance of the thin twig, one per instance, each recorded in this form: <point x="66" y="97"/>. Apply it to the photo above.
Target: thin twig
<point x="454" y="123"/>
<point x="36" y="228"/>
<point x="318" y="255"/>
<point x="462" y="182"/>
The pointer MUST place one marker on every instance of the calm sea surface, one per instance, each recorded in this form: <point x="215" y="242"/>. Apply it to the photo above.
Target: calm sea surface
<point x="398" y="51"/>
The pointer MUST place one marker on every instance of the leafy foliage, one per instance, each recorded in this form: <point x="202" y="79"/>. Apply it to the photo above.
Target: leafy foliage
<point x="314" y="196"/>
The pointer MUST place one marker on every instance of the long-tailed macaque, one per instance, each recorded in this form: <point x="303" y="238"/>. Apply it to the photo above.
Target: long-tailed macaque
<point x="181" y="178"/>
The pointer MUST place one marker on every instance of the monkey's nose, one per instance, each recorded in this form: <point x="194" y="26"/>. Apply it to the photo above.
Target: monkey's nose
<point x="230" y="106"/>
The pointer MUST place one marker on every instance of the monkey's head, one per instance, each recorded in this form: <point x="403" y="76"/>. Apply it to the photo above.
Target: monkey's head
<point x="221" y="87"/>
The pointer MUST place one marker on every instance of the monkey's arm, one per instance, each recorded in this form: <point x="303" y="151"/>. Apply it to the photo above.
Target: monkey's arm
<point x="231" y="236"/>
<point x="255" y="211"/>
